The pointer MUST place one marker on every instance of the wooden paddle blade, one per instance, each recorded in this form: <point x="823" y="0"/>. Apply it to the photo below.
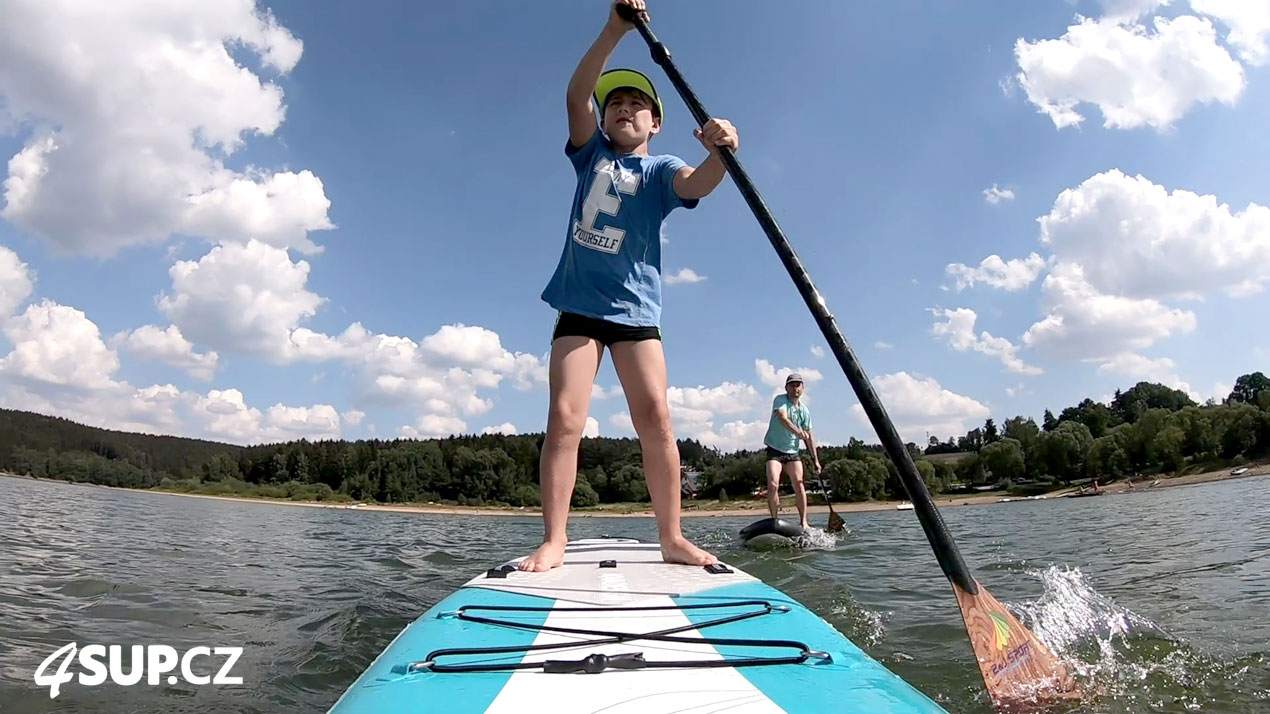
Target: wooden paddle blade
<point x="836" y="524"/>
<point x="1020" y="672"/>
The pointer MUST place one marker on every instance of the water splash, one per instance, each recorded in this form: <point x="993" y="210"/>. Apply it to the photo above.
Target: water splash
<point x="816" y="539"/>
<point x="1071" y="612"/>
<point x="865" y="627"/>
<point x="716" y="539"/>
<point x="1122" y="657"/>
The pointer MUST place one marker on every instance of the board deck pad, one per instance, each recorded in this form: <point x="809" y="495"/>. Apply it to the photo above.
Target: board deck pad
<point x="599" y="575"/>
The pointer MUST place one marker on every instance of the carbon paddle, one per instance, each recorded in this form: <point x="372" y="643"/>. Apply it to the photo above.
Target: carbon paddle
<point x="1018" y="670"/>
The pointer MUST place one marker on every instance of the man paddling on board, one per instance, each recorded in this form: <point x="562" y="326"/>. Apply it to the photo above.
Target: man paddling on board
<point x="790" y="422"/>
<point x="607" y="286"/>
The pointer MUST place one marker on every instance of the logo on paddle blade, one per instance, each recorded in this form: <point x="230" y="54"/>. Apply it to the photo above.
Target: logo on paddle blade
<point x="1002" y="628"/>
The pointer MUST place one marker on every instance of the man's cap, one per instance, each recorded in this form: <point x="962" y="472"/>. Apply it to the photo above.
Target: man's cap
<point x="615" y="79"/>
<point x="793" y="377"/>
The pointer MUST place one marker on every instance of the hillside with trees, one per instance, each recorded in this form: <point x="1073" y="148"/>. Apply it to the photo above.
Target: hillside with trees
<point x="1146" y="429"/>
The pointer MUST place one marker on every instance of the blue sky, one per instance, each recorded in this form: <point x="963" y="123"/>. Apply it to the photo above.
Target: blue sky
<point x="253" y="223"/>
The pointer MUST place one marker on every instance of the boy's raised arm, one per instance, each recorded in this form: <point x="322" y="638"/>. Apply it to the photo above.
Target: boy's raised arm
<point x="693" y="183"/>
<point x="582" y="83"/>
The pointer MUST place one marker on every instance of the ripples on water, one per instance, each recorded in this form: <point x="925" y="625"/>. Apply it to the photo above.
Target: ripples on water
<point x="1159" y="600"/>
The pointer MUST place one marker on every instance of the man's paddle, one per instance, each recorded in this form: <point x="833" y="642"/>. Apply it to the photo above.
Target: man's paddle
<point x="1017" y="668"/>
<point x="836" y="524"/>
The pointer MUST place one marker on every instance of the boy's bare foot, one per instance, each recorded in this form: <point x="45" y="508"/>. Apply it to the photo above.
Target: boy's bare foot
<point x="679" y="550"/>
<point x="549" y="555"/>
<point x="806" y="527"/>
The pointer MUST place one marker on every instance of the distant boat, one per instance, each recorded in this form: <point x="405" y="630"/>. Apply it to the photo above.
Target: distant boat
<point x="1083" y="494"/>
<point x="904" y="507"/>
<point x="1240" y="470"/>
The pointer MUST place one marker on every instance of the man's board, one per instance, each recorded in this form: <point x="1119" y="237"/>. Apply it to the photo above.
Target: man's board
<point x="656" y="637"/>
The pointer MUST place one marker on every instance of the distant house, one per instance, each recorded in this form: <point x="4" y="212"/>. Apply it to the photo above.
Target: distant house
<point x="690" y="483"/>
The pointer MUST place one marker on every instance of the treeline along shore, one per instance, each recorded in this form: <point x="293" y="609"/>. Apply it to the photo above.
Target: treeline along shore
<point x="1147" y="430"/>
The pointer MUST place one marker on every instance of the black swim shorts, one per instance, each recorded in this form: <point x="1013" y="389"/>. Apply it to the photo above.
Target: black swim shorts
<point x="781" y="456"/>
<point x="602" y="331"/>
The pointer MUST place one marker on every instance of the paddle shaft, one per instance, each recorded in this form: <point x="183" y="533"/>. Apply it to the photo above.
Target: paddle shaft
<point x="941" y="542"/>
<point x="820" y="481"/>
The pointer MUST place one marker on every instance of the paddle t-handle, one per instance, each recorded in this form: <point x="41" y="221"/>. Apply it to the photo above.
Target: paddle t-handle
<point x="626" y="12"/>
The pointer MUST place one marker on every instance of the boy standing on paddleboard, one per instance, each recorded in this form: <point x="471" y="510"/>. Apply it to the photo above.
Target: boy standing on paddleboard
<point x="790" y="422"/>
<point x="607" y="286"/>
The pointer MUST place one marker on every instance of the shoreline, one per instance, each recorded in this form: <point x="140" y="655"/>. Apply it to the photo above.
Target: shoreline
<point x="752" y="507"/>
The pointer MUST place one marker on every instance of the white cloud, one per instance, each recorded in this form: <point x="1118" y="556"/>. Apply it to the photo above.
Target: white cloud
<point x="1011" y="275"/>
<point x="224" y="414"/>
<point x="994" y="195"/>
<point x="685" y="275"/>
<point x="917" y="405"/>
<point x="700" y="424"/>
<point x="727" y="398"/>
<point x="353" y="417"/>
<point x="530" y="371"/>
<point x="157" y="409"/>
<point x="592" y="428"/>
<point x="734" y="436"/>
<point x="622" y="421"/>
<point x="434" y="426"/>
<point x="467" y="346"/>
<point x="883" y="345"/>
<point x="1086" y="323"/>
<point x="241" y="298"/>
<point x="56" y="345"/>
<point x="958" y="328"/>
<point x="1220" y="391"/>
<point x="133" y="107"/>
<point x="59" y="365"/>
<point x="443" y="375"/>
<point x="167" y="347"/>
<point x="1136" y="77"/>
<point x="1124" y="246"/>
<point x="1135" y="238"/>
<point x="817" y="351"/>
<point x="1249" y="23"/>
<point x="320" y="421"/>
<point x="16" y="282"/>
<point x="1129" y="10"/>
<point x="699" y="412"/>
<point x="773" y="377"/>
<point x="279" y="210"/>
<point x="506" y="427"/>
<point x="152" y="410"/>
<point x="1137" y="367"/>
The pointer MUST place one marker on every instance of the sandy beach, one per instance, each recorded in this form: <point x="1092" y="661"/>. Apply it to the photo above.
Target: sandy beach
<point x="735" y="508"/>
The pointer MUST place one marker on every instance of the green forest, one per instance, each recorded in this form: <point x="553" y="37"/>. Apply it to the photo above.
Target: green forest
<point x="1149" y="429"/>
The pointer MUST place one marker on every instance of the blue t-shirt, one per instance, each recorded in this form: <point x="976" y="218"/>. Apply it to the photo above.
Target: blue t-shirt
<point x="611" y="265"/>
<point x="778" y="436"/>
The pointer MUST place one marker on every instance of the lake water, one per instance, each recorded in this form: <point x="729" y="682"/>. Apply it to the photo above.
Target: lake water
<point x="1162" y="598"/>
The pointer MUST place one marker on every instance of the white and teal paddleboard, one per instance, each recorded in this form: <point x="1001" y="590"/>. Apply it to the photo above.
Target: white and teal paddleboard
<point x="616" y="630"/>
